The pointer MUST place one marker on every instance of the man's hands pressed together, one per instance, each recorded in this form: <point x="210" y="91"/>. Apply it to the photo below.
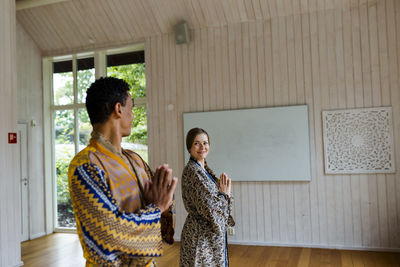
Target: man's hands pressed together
<point x="161" y="189"/>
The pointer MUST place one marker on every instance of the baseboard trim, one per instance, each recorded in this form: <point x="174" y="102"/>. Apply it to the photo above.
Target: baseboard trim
<point x="341" y="247"/>
<point x="303" y="245"/>
<point x="21" y="263"/>
<point x="38" y="235"/>
<point x="65" y="230"/>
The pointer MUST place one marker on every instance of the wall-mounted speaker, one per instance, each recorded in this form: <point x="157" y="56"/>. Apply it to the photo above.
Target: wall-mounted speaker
<point x="182" y="34"/>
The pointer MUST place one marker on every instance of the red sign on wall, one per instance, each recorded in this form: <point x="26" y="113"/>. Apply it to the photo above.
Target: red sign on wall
<point x="12" y="138"/>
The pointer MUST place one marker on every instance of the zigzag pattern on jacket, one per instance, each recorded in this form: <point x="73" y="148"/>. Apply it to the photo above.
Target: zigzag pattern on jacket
<point x="109" y="236"/>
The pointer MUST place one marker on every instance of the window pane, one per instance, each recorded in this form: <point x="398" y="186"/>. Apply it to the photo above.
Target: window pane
<point x="85" y="128"/>
<point x="137" y="141"/>
<point x="125" y="58"/>
<point x="133" y="74"/>
<point x="64" y="152"/>
<point x="132" y="69"/>
<point x="63" y="93"/>
<point x="64" y="126"/>
<point x="85" y="77"/>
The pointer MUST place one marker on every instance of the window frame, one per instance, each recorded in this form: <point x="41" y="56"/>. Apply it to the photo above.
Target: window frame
<point x="100" y="66"/>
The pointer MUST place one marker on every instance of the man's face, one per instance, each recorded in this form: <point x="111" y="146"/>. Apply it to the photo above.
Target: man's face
<point x="127" y="117"/>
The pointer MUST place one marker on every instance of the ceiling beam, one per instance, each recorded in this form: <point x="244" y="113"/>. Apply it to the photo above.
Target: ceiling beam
<point x="23" y="4"/>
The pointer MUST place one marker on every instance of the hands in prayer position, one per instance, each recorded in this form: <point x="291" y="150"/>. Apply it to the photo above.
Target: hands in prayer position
<point x="224" y="184"/>
<point x="161" y="189"/>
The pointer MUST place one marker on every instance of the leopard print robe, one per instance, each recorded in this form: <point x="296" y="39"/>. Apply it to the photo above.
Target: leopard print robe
<point x="203" y="238"/>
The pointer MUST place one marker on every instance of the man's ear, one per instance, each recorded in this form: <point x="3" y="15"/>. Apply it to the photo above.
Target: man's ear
<point x="118" y="109"/>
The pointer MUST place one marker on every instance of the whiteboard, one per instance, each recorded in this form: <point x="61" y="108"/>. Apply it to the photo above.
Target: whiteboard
<point x="261" y="144"/>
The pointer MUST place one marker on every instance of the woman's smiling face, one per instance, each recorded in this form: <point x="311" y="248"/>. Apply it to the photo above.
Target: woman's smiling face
<point x="200" y="147"/>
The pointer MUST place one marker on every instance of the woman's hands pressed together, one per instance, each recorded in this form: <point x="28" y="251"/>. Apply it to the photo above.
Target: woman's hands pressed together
<point x="224" y="184"/>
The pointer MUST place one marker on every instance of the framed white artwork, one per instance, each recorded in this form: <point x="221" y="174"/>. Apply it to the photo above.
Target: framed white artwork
<point x="358" y="141"/>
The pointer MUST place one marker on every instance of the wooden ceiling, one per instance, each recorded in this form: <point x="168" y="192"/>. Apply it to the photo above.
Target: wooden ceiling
<point x="65" y="26"/>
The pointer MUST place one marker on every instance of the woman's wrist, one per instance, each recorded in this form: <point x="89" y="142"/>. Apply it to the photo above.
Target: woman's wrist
<point x="225" y="194"/>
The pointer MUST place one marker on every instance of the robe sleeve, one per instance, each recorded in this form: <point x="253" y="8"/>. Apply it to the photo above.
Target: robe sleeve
<point x="231" y="221"/>
<point x="209" y="204"/>
<point x="104" y="231"/>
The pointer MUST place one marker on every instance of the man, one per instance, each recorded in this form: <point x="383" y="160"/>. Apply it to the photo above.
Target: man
<point x="117" y="201"/>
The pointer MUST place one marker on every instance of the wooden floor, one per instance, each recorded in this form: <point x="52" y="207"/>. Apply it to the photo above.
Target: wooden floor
<point x="62" y="250"/>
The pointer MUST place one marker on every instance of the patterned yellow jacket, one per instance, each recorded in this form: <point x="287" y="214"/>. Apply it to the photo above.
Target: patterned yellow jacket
<point x="109" y="235"/>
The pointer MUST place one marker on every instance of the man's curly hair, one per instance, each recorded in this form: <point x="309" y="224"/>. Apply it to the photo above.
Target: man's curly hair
<point x="102" y="96"/>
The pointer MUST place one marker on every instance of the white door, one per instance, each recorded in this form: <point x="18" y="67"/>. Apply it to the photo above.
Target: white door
<point x="23" y="155"/>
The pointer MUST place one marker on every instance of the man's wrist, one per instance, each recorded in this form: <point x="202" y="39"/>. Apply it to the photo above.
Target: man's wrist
<point x="154" y="206"/>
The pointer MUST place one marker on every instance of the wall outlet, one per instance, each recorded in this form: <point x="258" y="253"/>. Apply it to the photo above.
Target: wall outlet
<point x="231" y="231"/>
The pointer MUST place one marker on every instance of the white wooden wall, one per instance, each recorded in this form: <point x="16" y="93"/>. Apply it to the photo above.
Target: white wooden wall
<point x="30" y="107"/>
<point x="326" y="59"/>
<point x="10" y="229"/>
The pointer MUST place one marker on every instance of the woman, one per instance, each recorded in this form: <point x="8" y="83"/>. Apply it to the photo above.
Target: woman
<point x="208" y="202"/>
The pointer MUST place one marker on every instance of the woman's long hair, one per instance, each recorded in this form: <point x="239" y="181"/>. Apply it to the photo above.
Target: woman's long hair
<point x="191" y="135"/>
